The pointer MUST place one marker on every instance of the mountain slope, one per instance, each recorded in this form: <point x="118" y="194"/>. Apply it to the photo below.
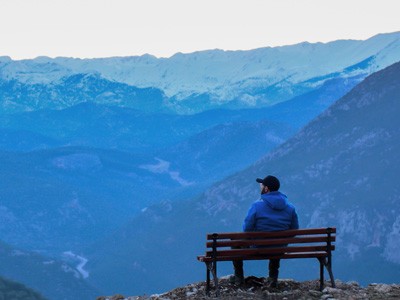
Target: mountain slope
<point x="24" y="140"/>
<point x="15" y="290"/>
<point x="54" y="279"/>
<point x="61" y="199"/>
<point x="341" y="170"/>
<point x="224" y="149"/>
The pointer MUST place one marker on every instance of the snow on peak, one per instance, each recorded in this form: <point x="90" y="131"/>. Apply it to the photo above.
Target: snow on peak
<point x="218" y="72"/>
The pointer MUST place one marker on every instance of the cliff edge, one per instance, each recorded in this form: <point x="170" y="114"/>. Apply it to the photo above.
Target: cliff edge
<point x="257" y="288"/>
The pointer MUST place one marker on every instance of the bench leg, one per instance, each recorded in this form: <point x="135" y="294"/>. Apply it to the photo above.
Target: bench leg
<point x="214" y="273"/>
<point x="212" y="267"/>
<point x="329" y="268"/>
<point x="208" y="267"/>
<point x="321" y="273"/>
<point x="324" y="262"/>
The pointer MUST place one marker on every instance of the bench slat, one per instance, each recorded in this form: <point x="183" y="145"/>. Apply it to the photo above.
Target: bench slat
<point x="270" y="242"/>
<point x="284" y="233"/>
<point x="263" y="257"/>
<point x="262" y="251"/>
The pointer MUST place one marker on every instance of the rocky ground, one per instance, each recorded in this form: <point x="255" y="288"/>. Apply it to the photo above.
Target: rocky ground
<point x="258" y="288"/>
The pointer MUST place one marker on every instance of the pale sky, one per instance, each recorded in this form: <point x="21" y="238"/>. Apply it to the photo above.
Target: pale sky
<point x="104" y="28"/>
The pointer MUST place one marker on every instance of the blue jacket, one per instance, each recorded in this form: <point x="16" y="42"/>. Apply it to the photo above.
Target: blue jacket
<point x="273" y="212"/>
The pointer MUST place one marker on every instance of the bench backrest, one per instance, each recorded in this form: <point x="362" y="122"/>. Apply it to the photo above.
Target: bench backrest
<point x="315" y="242"/>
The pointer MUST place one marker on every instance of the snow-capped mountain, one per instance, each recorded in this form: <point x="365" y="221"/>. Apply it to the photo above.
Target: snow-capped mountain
<point x="341" y="170"/>
<point x="246" y="78"/>
<point x="17" y="96"/>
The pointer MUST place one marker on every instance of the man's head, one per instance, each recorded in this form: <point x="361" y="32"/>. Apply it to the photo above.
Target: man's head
<point x="269" y="184"/>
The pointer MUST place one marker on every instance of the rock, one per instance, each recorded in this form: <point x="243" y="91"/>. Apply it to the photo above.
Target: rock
<point x="329" y="290"/>
<point x="383" y="288"/>
<point x="316" y="294"/>
<point x="117" y="297"/>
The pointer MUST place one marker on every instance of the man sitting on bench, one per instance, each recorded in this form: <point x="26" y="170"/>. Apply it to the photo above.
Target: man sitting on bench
<point x="272" y="212"/>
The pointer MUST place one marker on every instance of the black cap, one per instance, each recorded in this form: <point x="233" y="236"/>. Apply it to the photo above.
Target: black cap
<point x="271" y="182"/>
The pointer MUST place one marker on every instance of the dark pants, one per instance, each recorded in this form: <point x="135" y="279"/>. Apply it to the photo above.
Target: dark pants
<point x="273" y="268"/>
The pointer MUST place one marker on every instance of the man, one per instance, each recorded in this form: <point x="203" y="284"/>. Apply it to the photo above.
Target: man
<point x="272" y="212"/>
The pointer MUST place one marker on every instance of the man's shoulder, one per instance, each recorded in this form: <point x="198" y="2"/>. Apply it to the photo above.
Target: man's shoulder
<point x="256" y="204"/>
<point x="291" y="206"/>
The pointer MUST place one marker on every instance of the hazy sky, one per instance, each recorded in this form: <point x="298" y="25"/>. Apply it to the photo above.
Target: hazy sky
<point x="103" y="28"/>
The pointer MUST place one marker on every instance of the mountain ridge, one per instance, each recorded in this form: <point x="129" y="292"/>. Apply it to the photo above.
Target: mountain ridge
<point x="222" y="76"/>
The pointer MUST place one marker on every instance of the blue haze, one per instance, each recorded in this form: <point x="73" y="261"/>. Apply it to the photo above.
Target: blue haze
<point x="90" y="164"/>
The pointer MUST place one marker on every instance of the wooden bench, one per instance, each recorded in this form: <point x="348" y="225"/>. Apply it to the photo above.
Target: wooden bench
<point x="301" y="243"/>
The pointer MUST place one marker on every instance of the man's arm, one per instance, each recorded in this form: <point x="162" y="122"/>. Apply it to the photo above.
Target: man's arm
<point x="249" y="223"/>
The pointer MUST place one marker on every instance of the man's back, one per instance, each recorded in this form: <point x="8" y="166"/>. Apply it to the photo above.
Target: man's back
<point x="272" y="212"/>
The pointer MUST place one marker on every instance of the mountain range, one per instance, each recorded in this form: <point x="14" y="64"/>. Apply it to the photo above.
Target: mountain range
<point x="340" y="170"/>
<point x="87" y="169"/>
<point x="222" y="79"/>
<point x="98" y="154"/>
